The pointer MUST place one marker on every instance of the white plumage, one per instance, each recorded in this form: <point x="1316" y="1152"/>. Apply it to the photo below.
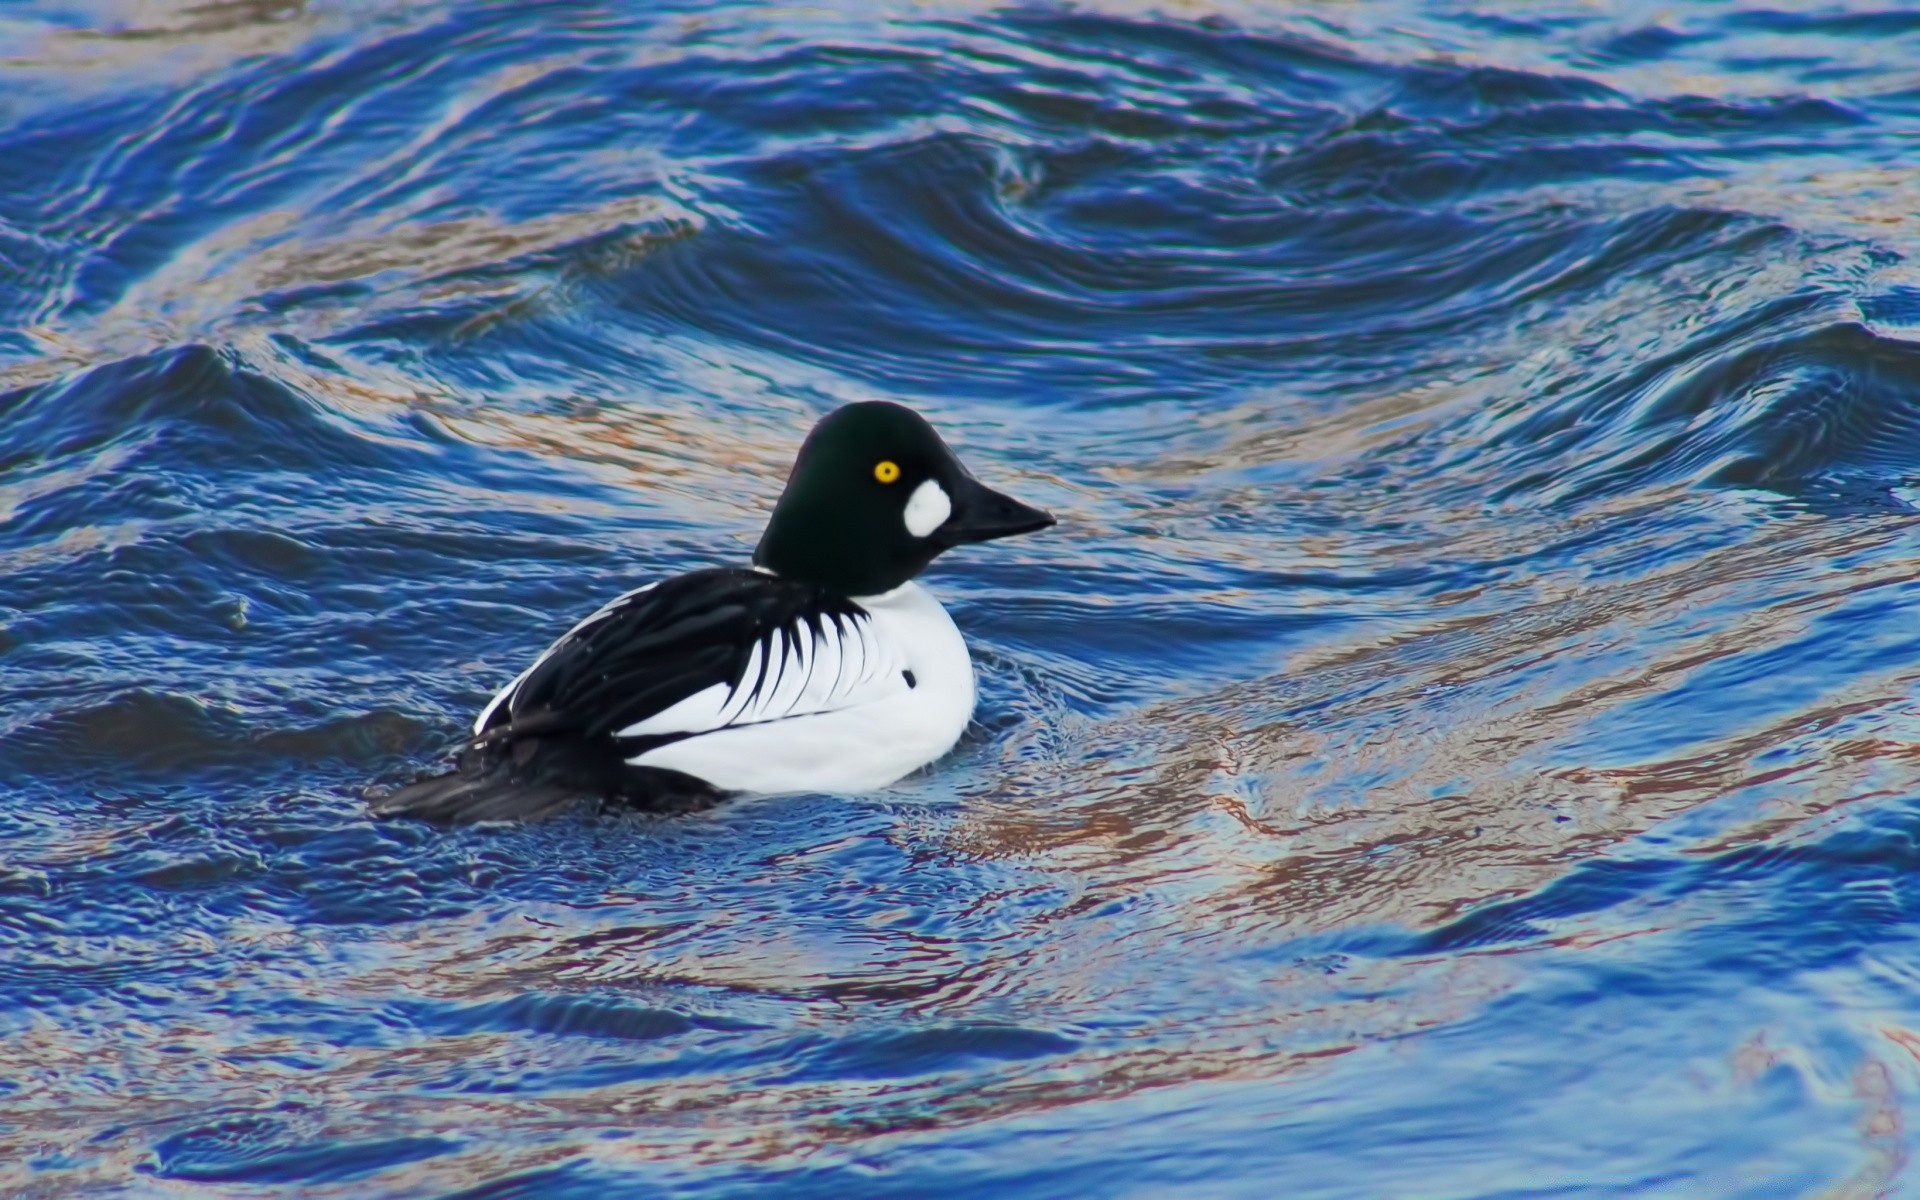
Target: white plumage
<point x="797" y="732"/>
<point x="821" y="668"/>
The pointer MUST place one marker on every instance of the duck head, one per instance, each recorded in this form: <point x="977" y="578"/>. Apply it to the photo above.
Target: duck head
<point x="875" y="496"/>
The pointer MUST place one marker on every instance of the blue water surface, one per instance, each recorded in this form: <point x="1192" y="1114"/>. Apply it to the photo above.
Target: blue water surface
<point x="1462" y="740"/>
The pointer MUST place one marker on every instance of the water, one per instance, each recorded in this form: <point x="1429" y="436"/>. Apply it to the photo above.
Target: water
<point x="1461" y="741"/>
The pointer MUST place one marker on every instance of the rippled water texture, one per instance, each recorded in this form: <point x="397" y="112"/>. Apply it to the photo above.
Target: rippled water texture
<point x="1462" y="739"/>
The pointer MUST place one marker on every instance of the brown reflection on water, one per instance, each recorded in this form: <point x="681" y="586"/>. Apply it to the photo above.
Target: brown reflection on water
<point x="223" y="288"/>
<point x="742" y="1104"/>
<point x="125" y="33"/>
<point x="1433" y="775"/>
<point x="144" y="20"/>
<point x="238" y="274"/>
<point x="1397" y="776"/>
<point x="109" y="45"/>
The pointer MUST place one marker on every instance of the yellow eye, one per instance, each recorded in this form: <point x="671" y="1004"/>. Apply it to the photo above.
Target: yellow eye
<point x="886" y="470"/>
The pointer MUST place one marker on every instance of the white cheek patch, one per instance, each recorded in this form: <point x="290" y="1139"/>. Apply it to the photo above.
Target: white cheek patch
<point x="927" y="509"/>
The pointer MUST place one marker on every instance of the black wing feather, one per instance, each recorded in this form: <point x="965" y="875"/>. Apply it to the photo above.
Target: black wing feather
<point x="661" y="646"/>
<point x="547" y="748"/>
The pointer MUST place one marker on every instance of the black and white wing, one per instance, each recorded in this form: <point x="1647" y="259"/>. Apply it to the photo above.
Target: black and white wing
<point x="709" y="650"/>
<point x="699" y="652"/>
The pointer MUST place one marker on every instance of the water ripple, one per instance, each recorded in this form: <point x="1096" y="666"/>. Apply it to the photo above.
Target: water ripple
<point x="1461" y="737"/>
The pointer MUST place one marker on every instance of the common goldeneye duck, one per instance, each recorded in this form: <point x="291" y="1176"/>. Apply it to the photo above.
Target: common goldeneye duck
<point x="822" y="668"/>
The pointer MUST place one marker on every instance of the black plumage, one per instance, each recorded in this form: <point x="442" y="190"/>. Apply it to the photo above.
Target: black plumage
<point x="874" y="496"/>
<point x="550" y="743"/>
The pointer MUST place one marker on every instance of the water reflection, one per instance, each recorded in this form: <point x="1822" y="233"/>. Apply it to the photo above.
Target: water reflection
<point x="1461" y="739"/>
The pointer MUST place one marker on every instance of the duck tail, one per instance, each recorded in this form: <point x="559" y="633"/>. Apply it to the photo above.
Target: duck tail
<point x="494" y="781"/>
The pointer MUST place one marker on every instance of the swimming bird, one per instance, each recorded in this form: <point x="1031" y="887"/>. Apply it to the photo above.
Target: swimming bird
<point x="821" y="668"/>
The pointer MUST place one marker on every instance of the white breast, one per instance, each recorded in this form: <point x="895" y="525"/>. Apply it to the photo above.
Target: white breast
<point x="861" y="725"/>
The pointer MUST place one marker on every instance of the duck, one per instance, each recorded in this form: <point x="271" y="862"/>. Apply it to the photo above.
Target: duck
<point x="821" y="667"/>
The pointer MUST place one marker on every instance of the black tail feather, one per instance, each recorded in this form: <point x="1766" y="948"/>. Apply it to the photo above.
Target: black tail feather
<point x="457" y="797"/>
<point x="536" y="778"/>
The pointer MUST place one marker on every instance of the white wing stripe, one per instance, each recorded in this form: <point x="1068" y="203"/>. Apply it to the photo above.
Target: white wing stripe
<point x="823" y="685"/>
<point x="776" y="643"/>
<point x="876" y="655"/>
<point x="833" y="636"/>
<point x="806" y="669"/>
<point x="793" y="678"/>
<point x="743" y="691"/>
<point x="500" y="697"/>
<point x="853" y="656"/>
<point x="808" y="656"/>
<point x="805" y="656"/>
<point x="698" y="711"/>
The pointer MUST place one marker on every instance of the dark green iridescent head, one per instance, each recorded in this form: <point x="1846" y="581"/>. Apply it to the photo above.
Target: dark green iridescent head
<point x="873" y="497"/>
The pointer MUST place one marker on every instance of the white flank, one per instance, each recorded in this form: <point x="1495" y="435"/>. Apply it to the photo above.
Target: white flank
<point x="802" y="678"/>
<point x="835" y="712"/>
<point x="927" y="509"/>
